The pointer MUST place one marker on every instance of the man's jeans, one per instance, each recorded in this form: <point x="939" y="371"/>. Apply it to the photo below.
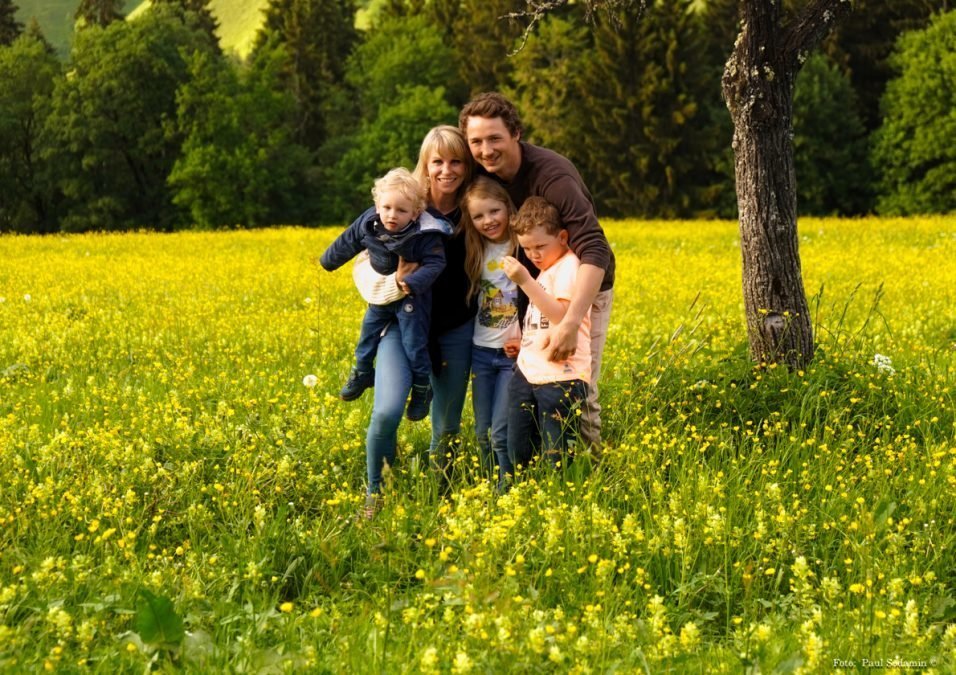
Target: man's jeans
<point x="591" y="412"/>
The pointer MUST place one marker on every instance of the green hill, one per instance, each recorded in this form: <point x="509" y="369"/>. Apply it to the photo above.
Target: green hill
<point x="55" y="18"/>
<point x="238" y="20"/>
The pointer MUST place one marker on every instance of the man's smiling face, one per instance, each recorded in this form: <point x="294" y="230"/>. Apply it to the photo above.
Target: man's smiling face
<point x="493" y="146"/>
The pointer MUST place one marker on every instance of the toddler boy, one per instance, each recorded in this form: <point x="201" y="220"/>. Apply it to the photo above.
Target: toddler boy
<point x="396" y="227"/>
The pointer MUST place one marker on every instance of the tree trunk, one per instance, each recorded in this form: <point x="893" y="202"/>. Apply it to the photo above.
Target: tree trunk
<point x="758" y="89"/>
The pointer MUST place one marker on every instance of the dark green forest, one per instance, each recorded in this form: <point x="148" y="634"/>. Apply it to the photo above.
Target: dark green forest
<point x="148" y="124"/>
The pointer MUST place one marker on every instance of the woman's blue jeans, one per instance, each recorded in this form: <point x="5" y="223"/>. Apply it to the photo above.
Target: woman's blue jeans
<point x="393" y="382"/>
<point x="491" y="373"/>
<point x="449" y="388"/>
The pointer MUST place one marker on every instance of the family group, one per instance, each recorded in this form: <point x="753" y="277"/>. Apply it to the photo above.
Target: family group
<point x="485" y="264"/>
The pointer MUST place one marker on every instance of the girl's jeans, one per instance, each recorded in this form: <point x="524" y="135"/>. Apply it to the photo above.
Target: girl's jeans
<point x="491" y="374"/>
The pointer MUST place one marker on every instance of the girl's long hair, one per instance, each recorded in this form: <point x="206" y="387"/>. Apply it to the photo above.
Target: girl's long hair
<point x="482" y="188"/>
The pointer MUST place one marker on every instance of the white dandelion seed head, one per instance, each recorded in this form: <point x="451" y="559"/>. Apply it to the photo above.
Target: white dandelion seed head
<point x="883" y="363"/>
<point x="27" y="297"/>
<point x="310" y="381"/>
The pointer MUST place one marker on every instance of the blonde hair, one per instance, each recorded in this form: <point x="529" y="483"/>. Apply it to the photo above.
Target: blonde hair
<point x="400" y="179"/>
<point x="482" y="188"/>
<point x="444" y="140"/>
<point x="536" y="212"/>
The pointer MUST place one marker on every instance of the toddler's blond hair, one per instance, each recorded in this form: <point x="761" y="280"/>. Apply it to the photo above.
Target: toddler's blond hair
<point x="401" y="179"/>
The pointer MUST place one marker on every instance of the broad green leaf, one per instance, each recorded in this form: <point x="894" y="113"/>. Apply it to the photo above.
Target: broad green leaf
<point x="156" y="620"/>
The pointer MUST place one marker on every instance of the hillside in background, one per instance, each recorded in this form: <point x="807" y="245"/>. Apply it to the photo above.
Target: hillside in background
<point x="238" y="20"/>
<point x="55" y="17"/>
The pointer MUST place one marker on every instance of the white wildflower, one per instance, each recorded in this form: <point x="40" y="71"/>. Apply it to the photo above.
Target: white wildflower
<point x="883" y="364"/>
<point x="310" y="380"/>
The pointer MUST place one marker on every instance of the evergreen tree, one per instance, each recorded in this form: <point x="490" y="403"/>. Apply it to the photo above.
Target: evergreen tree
<point x="862" y="45"/>
<point x="399" y="75"/>
<point x="198" y="14"/>
<point x="109" y="127"/>
<point x="98" y="12"/>
<point x="399" y="52"/>
<point x="642" y="144"/>
<point x="10" y="28"/>
<point x="483" y="39"/>
<point x="27" y="196"/>
<point x="719" y="21"/>
<point x="318" y="36"/>
<point x="239" y="165"/>
<point x="548" y="85"/>
<point x="915" y="148"/>
<point x="829" y="142"/>
<point x="34" y="31"/>
<point x="390" y="139"/>
<point x="483" y="34"/>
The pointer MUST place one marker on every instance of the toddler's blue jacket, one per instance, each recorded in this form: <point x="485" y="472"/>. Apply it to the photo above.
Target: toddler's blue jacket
<point x="422" y="241"/>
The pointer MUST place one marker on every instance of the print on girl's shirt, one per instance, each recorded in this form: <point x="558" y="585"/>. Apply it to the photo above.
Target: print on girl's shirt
<point x="497" y="319"/>
<point x="498" y="303"/>
<point x="496" y="310"/>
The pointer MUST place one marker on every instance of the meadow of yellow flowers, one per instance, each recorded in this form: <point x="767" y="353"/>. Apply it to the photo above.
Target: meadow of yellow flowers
<point x="173" y="496"/>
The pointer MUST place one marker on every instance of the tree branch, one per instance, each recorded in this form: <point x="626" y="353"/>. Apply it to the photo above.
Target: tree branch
<point x="813" y="24"/>
<point x="538" y="9"/>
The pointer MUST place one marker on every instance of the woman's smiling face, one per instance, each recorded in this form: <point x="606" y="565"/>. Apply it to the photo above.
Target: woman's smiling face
<point x="445" y="174"/>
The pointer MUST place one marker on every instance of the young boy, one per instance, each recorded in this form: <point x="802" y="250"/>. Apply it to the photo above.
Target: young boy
<point x="545" y="396"/>
<point x="397" y="226"/>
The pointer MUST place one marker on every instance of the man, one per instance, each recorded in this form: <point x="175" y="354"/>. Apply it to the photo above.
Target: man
<point x="492" y="128"/>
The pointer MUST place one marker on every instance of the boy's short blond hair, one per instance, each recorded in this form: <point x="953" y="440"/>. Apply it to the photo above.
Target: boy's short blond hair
<point x="536" y="212"/>
<point x="401" y="179"/>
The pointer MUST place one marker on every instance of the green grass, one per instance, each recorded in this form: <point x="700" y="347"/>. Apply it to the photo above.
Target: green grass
<point x="173" y="497"/>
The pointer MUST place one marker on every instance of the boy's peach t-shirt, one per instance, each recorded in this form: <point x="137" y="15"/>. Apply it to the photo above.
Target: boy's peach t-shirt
<point x="558" y="280"/>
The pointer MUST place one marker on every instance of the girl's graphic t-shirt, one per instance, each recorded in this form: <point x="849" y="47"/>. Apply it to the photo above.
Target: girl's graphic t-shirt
<point x="558" y="281"/>
<point x="497" y="319"/>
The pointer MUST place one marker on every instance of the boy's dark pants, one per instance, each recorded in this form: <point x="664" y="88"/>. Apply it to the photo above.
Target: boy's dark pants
<point x="545" y="414"/>
<point x="413" y="318"/>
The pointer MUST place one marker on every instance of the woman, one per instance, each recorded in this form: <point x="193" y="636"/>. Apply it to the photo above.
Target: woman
<point x="445" y="169"/>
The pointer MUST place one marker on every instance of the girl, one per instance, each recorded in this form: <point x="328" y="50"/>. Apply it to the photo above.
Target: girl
<point x="487" y="212"/>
